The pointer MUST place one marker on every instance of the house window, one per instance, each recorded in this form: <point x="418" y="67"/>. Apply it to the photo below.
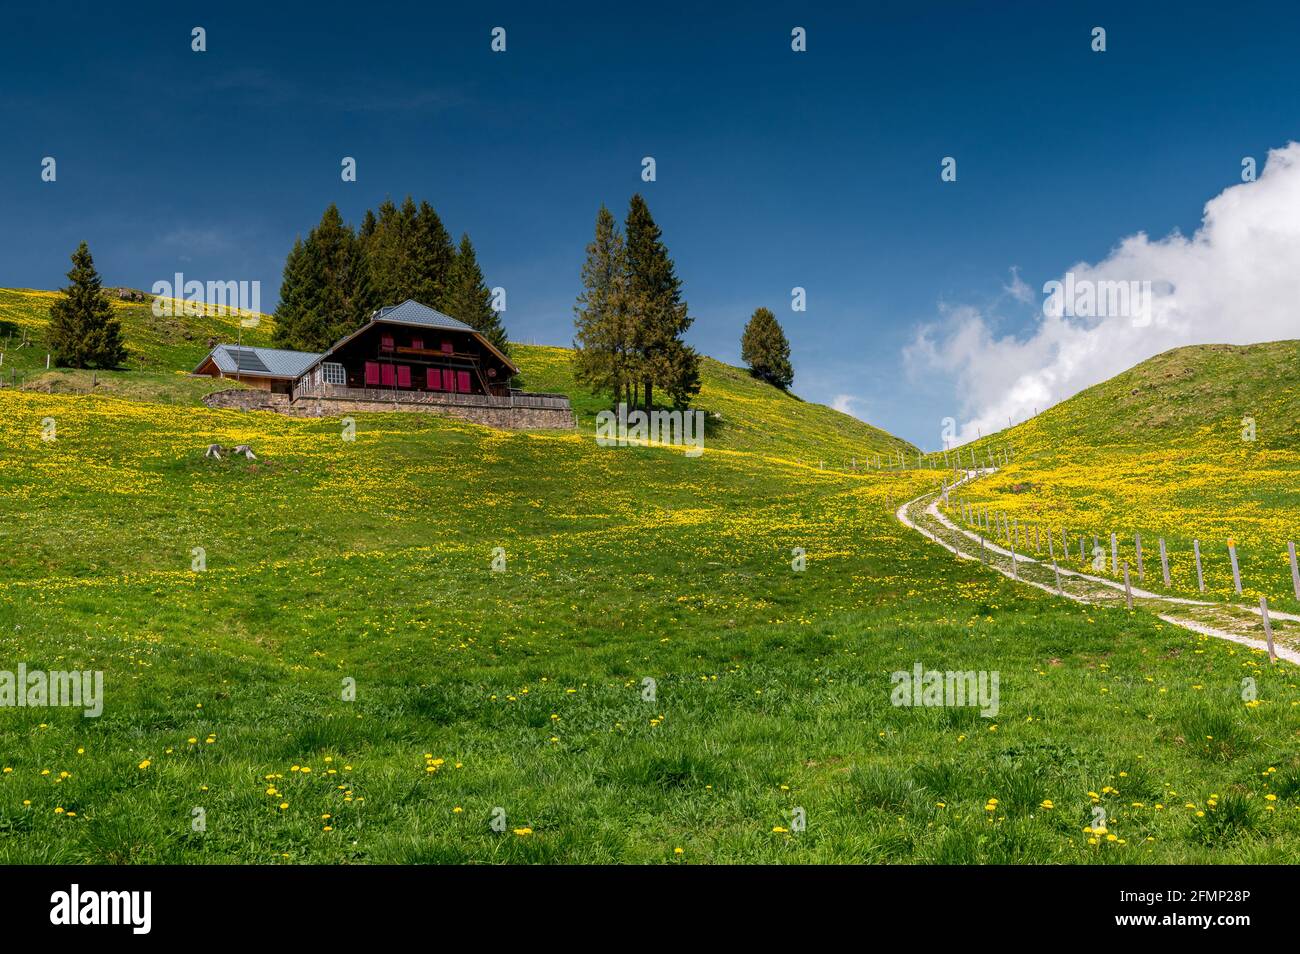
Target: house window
<point x="433" y="379"/>
<point x="447" y="348"/>
<point x="462" y="382"/>
<point x="372" y="372"/>
<point x="417" y="344"/>
<point x="334" y="373"/>
<point x="386" y="342"/>
<point x="386" y="375"/>
<point x="403" y="376"/>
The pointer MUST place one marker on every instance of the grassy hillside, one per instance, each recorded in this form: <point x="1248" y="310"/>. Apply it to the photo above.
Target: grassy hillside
<point x="166" y="344"/>
<point x="1161" y="450"/>
<point x="231" y="605"/>
<point x="742" y="413"/>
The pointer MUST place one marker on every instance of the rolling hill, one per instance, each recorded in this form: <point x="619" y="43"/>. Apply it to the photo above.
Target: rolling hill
<point x="1166" y="449"/>
<point x="742" y="413"/>
<point x="442" y="643"/>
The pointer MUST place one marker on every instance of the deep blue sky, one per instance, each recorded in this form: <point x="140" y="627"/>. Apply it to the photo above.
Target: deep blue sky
<point x="775" y="169"/>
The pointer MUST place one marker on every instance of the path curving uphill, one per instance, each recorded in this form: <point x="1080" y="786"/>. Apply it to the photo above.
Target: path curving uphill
<point x="1230" y="621"/>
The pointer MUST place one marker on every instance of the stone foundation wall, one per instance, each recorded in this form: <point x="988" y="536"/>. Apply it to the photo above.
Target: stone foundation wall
<point x="502" y="418"/>
<point x="242" y="399"/>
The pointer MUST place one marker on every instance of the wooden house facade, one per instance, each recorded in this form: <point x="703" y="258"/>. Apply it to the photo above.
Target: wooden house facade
<point x="411" y="347"/>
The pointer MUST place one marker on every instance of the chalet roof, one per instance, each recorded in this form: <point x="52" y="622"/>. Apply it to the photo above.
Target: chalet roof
<point x="259" y="362"/>
<point x="411" y="312"/>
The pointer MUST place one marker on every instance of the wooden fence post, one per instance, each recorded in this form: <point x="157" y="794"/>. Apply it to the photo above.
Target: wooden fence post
<point x="1268" y="628"/>
<point x="1200" y="577"/>
<point x="1128" y="592"/>
<point x="1236" y="572"/>
<point x="1295" y="571"/>
<point x="1164" y="562"/>
<point x="1051" y="547"/>
<point x="1015" y="566"/>
<point x="1114" y="554"/>
<point x="1137" y="542"/>
<point x="1057" y="570"/>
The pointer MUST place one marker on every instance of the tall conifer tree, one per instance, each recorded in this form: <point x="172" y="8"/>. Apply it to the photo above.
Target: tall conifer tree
<point x="324" y="294"/>
<point x="83" y="332"/>
<point x="603" y="359"/>
<point x="469" y="299"/>
<point x="764" y="347"/>
<point x="660" y="317"/>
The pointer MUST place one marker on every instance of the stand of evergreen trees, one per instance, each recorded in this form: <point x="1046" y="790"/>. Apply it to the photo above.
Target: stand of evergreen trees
<point x="335" y="277"/>
<point x="630" y="316"/>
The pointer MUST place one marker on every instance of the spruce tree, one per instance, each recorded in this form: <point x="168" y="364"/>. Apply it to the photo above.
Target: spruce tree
<point x="341" y="297"/>
<point x="602" y="355"/>
<point x="408" y="253"/>
<point x="83" y="332"/>
<point x="387" y="253"/>
<point x="764" y="347"/>
<point x="660" y="317"/>
<point x="469" y="300"/>
<point x="367" y="228"/>
<point x="434" y="259"/>
<point x="296" y="290"/>
<point x="324" y="294"/>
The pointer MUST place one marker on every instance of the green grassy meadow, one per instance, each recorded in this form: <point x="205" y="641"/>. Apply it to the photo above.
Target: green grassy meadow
<point x="521" y="693"/>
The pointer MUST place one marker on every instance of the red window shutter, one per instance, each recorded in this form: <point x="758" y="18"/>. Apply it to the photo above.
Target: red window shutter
<point x="462" y="382"/>
<point x="403" y="376"/>
<point x="417" y="344"/>
<point x="386" y="374"/>
<point x="432" y="379"/>
<point x="447" y="348"/>
<point x="448" y="379"/>
<point x="386" y="342"/>
<point x="372" y="372"/>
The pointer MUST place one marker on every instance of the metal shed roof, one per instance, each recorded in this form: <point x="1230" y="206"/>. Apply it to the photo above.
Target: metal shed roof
<point x="260" y="362"/>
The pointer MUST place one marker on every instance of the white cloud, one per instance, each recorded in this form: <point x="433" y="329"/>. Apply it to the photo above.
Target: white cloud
<point x="1018" y="288"/>
<point x="1235" y="281"/>
<point x="849" y="404"/>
